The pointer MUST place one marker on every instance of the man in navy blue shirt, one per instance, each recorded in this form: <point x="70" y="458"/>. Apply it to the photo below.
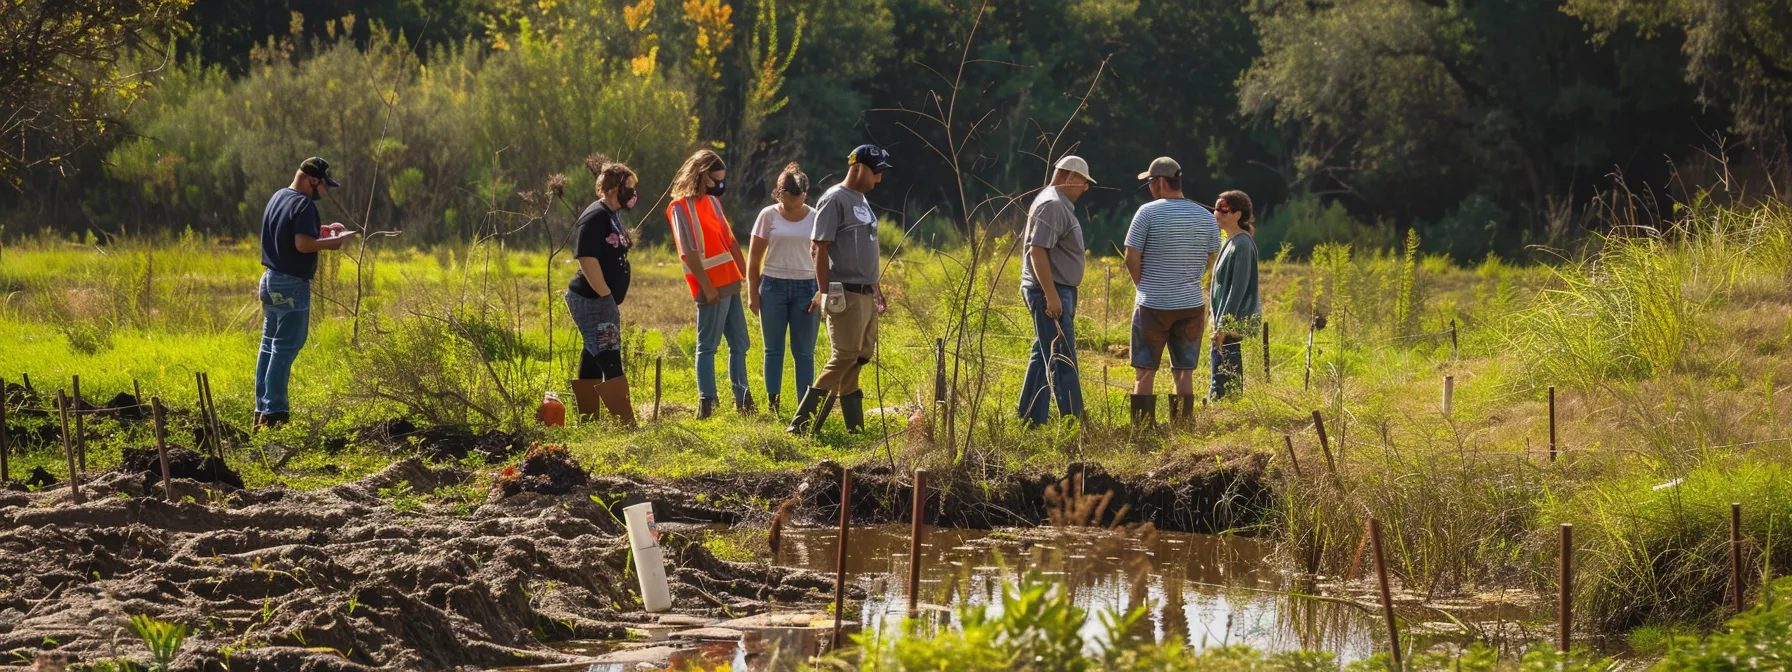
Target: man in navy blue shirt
<point x="291" y="236"/>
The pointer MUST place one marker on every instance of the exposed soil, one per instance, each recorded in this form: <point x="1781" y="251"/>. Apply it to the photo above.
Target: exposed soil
<point x="336" y="579"/>
<point x="182" y="463"/>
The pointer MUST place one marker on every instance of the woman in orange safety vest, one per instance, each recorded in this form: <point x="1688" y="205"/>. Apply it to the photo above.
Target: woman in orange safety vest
<point x="714" y="267"/>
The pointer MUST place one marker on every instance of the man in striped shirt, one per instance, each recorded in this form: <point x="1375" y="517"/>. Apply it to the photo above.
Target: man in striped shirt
<point x="1169" y="247"/>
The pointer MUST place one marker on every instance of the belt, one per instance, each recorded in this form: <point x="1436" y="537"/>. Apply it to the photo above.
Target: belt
<point x="858" y="289"/>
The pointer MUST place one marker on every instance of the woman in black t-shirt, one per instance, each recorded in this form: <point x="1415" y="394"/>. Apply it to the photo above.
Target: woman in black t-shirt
<point x="597" y="290"/>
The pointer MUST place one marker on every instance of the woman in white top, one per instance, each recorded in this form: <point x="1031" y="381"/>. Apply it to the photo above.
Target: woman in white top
<point x="781" y="283"/>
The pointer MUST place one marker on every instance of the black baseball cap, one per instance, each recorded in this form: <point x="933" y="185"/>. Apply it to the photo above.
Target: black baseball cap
<point x="873" y="156"/>
<point x="319" y="168"/>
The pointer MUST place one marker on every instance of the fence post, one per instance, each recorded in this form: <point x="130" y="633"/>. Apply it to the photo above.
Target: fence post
<point x="1454" y="350"/>
<point x="80" y="426"/>
<point x="1565" y="586"/>
<point x="1324" y="445"/>
<point x="68" y="449"/>
<point x="1736" y="557"/>
<point x="657" y="363"/>
<point x="840" y="554"/>
<point x="1449" y="396"/>
<point x="1387" y="597"/>
<point x="914" y="539"/>
<point x="155" y="411"/>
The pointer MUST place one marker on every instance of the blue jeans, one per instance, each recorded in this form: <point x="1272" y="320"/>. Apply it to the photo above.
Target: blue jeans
<point x="1228" y="369"/>
<point x="1053" y="359"/>
<point x="285" y="323"/>
<point x="784" y="307"/>
<point x="727" y="317"/>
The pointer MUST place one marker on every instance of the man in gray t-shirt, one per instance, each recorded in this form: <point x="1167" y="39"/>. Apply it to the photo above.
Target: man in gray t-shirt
<point x="1049" y="276"/>
<point x="846" y="271"/>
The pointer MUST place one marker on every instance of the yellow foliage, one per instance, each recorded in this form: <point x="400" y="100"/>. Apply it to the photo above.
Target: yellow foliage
<point x="714" y="22"/>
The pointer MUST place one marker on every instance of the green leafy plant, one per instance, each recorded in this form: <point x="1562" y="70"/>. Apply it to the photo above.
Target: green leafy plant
<point x="163" y="639"/>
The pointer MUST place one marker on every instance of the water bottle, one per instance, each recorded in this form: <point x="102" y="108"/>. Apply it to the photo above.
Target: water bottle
<point x="552" y="413"/>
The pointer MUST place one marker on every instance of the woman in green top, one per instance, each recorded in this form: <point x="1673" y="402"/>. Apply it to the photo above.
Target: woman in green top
<point x="1236" y="308"/>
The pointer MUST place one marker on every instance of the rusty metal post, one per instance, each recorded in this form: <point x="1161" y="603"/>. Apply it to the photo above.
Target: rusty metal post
<point x="658" y="363"/>
<point x="914" y="539"/>
<point x="1552" y="423"/>
<point x="5" y="444"/>
<point x="68" y="449"/>
<point x="1326" y="447"/>
<point x="1565" y="587"/>
<point x="1387" y="596"/>
<point x="80" y="426"/>
<point x="1453" y="345"/>
<point x="1735" y="557"/>
<point x="1292" y="459"/>
<point x="155" y="412"/>
<point x="840" y="554"/>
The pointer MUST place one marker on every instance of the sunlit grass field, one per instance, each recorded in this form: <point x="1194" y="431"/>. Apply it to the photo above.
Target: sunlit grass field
<point x="1671" y="358"/>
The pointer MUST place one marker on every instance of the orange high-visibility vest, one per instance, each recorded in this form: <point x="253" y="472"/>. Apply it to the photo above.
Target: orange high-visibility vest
<point x="712" y="241"/>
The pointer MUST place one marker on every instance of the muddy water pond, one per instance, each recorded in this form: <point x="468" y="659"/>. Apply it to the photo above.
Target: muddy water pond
<point x="1202" y="589"/>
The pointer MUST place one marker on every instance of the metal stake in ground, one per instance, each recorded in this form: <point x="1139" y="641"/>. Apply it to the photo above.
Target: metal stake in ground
<point x="914" y="539"/>
<point x="1292" y="459"/>
<point x="80" y="427"/>
<point x="155" y="412"/>
<point x="1552" y="423"/>
<point x="1565" y="586"/>
<point x="840" y="555"/>
<point x="1325" y="446"/>
<point x="5" y="447"/>
<point x="1735" y="557"/>
<point x="658" y="362"/>
<point x="1387" y="596"/>
<point x="68" y="450"/>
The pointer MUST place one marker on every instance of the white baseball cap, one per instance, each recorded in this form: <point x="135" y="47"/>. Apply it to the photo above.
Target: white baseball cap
<point x="1077" y="165"/>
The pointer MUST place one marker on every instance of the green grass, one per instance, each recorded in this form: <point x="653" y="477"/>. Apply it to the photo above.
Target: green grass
<point x="1669" y="358"/>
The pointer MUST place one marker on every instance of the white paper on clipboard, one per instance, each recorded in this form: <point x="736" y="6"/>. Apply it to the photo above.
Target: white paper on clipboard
<point x="339" y="236"/>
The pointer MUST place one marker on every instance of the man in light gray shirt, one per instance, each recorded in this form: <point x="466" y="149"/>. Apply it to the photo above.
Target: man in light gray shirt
<point x="845" y="243"/>
<point x="1049" y="276"/>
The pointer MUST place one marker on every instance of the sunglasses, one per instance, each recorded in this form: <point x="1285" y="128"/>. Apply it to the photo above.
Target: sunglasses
<point x="1223" y="211"/>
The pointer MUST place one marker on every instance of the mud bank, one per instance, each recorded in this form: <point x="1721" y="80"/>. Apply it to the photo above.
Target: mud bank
<point x="336" y="579"/>
<point x="1206" y="493"/>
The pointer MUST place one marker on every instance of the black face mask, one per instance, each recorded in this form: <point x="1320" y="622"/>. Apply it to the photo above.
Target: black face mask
<point x="625" y="197"/>
<point x="719" y="188"/>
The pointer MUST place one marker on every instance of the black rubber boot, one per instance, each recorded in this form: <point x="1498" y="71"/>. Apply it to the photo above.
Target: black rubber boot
<point x="852" y="410"/>
<point x="1144" y="410"/>
<point x="806" y="410"/>
<point x="743" y="404"/>
<point x="1188" y="408"/>
<point x="772" y="402"/>
<point x="706" y="407"/>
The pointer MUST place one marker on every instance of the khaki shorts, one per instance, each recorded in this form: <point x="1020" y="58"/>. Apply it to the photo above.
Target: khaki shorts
<point x="1181" y="329"/>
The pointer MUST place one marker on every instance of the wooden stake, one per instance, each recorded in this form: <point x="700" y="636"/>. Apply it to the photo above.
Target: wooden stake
<point x="155" y="412"/>
<point x="658" y="363"/>
<point x="1292" y="459"/>
<point x="1449" y="396"/>
<point x="5" y="444"/>
<point x="1324" y="445"/>
<point x="1266" y="352"/>
<point x="840" y="555"/>
<point x="137" y="392"/>
<point x="80" y="427"/>
<point x="68" y="450"/>
<point x="29" y="390"/>
<point x="939" y="373"/>
<point x="1307" y="382"/>
<point x="211" y="420"/>
<point x="204" y="415"/>
<point x="1107" y="408"/>
<point x="1552" y="423"/>
<point x="1735" y="557"/>
<point x="1565" y="586"/>
<point x="1453" y="347"/>
<point x="1387" y="596"/>
<point x="914" y="539"/>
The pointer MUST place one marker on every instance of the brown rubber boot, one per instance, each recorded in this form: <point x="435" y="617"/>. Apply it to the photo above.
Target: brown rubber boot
<point x="614" y="393"/>
<point x="586" y="398"/>
<point x="1188" y="408"/>
<point x="1144" y="410"/>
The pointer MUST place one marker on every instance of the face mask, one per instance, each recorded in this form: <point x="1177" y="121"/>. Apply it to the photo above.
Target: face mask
<point x="719" y="189"/>
<point x="626" y="196"/>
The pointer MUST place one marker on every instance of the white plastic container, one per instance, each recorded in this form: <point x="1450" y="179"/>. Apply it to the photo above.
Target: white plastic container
<point x="650" y="559"/>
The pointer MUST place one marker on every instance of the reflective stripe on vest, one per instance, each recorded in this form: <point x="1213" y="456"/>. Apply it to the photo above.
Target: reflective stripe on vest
<point x="709" y="233"/>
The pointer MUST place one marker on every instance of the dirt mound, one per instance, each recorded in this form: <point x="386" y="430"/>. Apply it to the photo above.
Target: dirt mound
<point x="182" y="463"/>
<point x="339" y="579"/>
<point x="546" y="470"/>
<point x="443" y="442"/>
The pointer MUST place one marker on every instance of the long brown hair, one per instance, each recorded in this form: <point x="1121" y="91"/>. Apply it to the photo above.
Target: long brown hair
<point x="1241" y="202"/>
<point x="792" y="181"/>
<point x="689" y="180"/>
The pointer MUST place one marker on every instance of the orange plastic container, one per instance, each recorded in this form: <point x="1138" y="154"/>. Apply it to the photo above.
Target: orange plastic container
<point x="552" y="413"/>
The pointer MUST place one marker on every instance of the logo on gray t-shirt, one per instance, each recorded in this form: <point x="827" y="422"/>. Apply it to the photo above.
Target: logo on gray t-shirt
<point x="844" y="218"/>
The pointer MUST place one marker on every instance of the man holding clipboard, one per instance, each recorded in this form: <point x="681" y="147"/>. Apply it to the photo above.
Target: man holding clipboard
<point x="291" y="236"/>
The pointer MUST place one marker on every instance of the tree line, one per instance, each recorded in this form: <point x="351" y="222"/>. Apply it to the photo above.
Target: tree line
<point x="1484" y="125"/>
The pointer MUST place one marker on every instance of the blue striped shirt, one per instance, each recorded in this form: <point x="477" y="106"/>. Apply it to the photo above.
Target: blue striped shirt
<point x="1173" y="237"/>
